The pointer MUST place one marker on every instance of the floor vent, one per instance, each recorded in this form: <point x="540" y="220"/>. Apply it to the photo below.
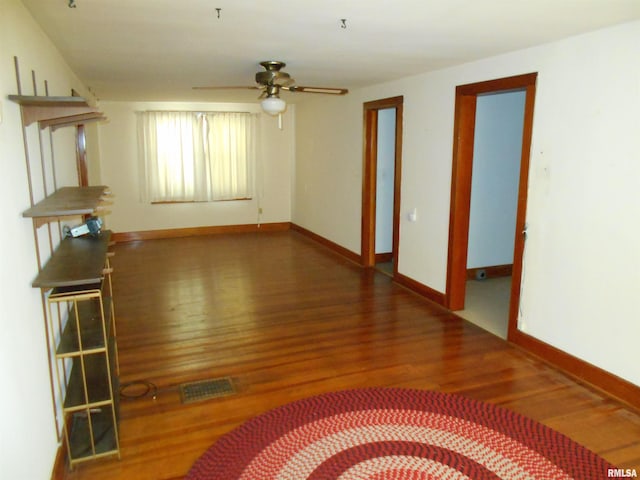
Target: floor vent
<point x="206" y="389"/>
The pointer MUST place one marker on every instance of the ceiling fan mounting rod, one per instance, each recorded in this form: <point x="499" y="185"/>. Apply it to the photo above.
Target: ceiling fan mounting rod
<point x="273" y="90"/>
<point x="273" y="65"/>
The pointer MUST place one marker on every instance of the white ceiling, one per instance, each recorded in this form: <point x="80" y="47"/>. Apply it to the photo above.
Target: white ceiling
<point x="159" y="49"/>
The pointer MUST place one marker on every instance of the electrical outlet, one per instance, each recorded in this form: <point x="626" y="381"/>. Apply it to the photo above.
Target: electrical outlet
<point x="260" y="210"/>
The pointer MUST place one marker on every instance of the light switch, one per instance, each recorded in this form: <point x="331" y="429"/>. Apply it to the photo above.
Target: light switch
<point x="413" y="215"/>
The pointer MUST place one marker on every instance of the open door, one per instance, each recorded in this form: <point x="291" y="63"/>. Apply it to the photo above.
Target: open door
<point x="369" y="187"/>
<point x="464" y="131"/>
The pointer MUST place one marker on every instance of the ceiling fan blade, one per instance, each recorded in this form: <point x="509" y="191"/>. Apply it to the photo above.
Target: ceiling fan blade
<point x="329" y="90"/>
<point x="212" y="87"/>
<point x="285" y="82"/>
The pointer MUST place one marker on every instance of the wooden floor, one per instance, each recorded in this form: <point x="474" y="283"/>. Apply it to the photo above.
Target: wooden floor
<point x="288" y="319"/>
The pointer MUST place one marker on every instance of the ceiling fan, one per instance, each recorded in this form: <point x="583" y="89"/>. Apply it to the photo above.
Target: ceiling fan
<point x="272" y="80"/>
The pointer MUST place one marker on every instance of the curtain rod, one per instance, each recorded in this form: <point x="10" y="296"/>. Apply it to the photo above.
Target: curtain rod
<point x="192" y="111"/>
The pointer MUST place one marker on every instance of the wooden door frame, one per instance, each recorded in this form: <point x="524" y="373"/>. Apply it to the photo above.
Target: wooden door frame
<point x="370" y="152"/>
<point x="81" y="156"/>
<point x="463" y="139"/>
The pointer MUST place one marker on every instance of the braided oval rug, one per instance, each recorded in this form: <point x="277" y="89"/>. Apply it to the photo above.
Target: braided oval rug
<point x="398" y="434"/>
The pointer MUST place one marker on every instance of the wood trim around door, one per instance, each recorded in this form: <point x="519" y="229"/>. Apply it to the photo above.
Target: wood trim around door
<point x="464" y="132"/>
<point x="463" y="140"/>
<point x="81" y="156"/>
<point x="370" y="153"/>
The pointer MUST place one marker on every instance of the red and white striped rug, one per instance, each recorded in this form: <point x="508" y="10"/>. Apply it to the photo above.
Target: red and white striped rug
<point x="398" y="434"/>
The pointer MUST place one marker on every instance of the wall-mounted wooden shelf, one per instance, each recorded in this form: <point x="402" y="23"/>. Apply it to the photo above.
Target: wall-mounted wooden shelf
<point x="69" y="201"/>
<point x="56" y="111"/>
<point x="76" y="261"/>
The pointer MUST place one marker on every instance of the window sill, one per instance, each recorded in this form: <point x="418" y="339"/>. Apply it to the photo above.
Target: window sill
<point x="171" y="202"/>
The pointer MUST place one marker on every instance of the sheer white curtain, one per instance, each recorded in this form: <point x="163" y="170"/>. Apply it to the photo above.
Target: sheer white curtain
<point x="230" y="148"/>
<point x="191" y="156"/>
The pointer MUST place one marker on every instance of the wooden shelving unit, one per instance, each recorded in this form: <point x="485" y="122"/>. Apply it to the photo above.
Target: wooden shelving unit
<point x="87" y="370"/>
<point x="78" y="277"/>
<point x="76" y="286"/>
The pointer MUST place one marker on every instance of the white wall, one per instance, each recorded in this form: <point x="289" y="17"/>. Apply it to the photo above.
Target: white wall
<point x="495" y="178"/>
<point x="582" y="261"/>
<point x="328" y="181"/>
<point x="28" y="439"/>
<point x="120" y="171"/>
<point x="385" y="179"/>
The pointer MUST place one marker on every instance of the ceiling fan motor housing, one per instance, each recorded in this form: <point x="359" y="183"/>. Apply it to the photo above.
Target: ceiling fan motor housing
<point x="272" y="74"/>
<point x="273" y="78"/>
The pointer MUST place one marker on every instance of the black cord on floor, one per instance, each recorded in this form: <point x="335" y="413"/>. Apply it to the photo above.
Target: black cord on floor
<point x="149" y="388"/>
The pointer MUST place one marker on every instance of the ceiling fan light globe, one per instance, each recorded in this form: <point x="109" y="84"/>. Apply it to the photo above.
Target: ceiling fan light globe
<point x="273" y="105"/>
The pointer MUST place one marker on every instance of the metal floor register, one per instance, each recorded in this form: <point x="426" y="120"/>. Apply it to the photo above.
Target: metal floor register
<point x="206" y="389"/>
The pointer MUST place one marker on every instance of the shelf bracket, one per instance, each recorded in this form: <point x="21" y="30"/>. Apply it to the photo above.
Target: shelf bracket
<point x="52" y="109"/>
<point x="71" y="120"/>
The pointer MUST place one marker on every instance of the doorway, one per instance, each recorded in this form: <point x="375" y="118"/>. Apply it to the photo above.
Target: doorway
<point x="381" y="183"/>
<point x="463" y="157"/>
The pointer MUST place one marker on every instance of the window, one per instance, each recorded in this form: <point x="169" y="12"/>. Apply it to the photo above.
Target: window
<point x="195" y="156"/>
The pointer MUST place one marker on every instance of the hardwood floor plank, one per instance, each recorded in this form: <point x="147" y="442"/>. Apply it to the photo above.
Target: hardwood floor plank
<point x="286" y="319"/>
